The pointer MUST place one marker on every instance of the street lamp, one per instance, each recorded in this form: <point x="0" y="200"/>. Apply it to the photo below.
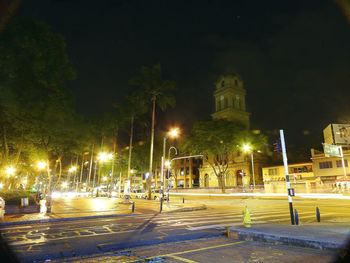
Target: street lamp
<point x="172" y="133"/>
<point x="102" y="157"/>
<point x="73" y="170"/>
<point x="168" y="165"/>
<point x="247" y="148"/>
<point x="10" y="170"/>
<point x="41" y="165"/>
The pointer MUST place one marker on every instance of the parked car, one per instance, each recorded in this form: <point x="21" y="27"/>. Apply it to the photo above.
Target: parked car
<point x="136" y="193"/>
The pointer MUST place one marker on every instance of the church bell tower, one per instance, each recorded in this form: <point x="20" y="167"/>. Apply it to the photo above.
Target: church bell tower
<point x="230" y="100"/>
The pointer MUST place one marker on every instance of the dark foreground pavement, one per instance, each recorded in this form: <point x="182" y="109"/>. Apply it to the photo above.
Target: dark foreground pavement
<point x="208" y="250"/>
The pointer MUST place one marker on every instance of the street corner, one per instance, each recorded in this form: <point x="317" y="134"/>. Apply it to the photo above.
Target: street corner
<point x="291" y="235"/>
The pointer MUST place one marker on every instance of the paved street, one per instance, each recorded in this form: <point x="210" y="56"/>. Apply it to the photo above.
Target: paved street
<point x="57" y="240"/>
<point x="220" y="249"/>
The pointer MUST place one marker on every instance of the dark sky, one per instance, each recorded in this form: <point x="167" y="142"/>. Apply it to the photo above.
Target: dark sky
<point x="293" y="56"/>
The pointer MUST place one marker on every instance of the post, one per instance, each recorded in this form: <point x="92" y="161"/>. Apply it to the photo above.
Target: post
<point x="296" y="217"/>
<point x="94" y="179"/>
<point x="81" y="173"/>
<point x="162" y="170"/>
<point x="318" y="215"/>
<point x="90" y="168"/>
<point x="342" y="160"/>
<point x="252" y="158"/>
<point x="285" y="163"/>
<point x="120" y="184"/>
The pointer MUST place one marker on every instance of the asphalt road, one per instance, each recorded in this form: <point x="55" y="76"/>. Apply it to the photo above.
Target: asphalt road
<point x="39" y="242"/>
<point x="208" y="250"/>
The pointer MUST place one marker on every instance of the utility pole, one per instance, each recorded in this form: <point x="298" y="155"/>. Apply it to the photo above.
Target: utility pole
<point x="90" y="167"/>
<point x="290" y="190"/>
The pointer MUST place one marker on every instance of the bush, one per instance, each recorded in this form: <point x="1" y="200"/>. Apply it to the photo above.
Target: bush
<point x="14" y="197"/>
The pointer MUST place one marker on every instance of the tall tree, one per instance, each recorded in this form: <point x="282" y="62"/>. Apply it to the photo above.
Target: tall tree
<point x="135" y="107"/>
<point x="158" y="93"/>
<point x="34" y="67"/>
<point x="218" y="141"/>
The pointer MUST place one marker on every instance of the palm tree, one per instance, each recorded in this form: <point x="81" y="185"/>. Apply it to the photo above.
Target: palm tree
<point x="158" y="93"/>
<point x="135" y="107"/>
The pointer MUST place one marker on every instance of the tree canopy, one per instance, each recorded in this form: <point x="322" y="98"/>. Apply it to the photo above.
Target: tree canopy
<point x="218" y="141"/>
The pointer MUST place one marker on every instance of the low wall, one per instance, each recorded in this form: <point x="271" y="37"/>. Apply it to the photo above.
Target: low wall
<point x="15" y="209"/>
<point x="268" y="189"/>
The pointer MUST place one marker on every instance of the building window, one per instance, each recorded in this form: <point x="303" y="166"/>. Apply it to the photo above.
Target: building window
<point x="325" y="165"/>
<point x="340" y="164"/>
<point x="238" y="102"/>
<point x="273" y="171"/>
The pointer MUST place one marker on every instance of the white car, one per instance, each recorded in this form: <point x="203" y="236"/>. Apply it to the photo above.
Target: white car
<point x="139" y="194"/>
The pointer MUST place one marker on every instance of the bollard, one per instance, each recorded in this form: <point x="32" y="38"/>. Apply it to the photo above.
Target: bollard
<point x="296" y="215"/>
<point x="48" y="204"/>
<point x="318" y="215"/>
<point x="183" y="200"/>
<point x="247" y="221"/>
<point x="133" y="207"/>
<point x="161" y="205"/>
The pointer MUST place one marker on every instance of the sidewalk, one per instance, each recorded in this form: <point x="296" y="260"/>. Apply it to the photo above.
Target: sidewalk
<point x="75" y="213"/>
<point x="322" y="236"/>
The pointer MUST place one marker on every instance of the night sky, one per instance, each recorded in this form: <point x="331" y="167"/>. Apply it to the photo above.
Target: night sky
<point x="293" y="56"/>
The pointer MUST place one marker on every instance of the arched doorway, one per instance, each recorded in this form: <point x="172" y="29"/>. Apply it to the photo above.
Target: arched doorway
<point x="239" y="177"/>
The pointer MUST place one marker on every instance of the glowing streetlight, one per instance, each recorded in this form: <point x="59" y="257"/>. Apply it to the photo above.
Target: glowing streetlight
<point x="247" y="148"/>
<point x="72" y="169"/>
<point x="10" y="170"/>
<point x="104" y="178"/>
<point x="41" y="165"/>
<point x="64" y="184"/>
<point x="167" y="164"/>
<point x="174" y="132"/>
<point x="104" y="156"/>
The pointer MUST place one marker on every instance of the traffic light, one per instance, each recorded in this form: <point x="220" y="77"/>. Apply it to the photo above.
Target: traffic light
<point x="277" y="146"/>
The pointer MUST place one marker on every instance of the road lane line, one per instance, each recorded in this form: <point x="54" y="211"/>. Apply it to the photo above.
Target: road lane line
<point x="24" y="243"/>
<point x="182" y="259"/>
<point x="201" y="249"/>
<point x="171" y="255"/>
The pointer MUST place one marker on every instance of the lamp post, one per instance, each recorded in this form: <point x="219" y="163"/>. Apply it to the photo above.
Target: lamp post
<point x="102" y="157"/>
<point x="248" y="149"/>
<point x="168" y="164"/>
<point x="172" y="133"/>
<point x="73" y="169"/>
<point x="10" y="170"/>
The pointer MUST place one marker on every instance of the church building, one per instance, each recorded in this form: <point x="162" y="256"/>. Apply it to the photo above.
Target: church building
<point x="230" y="105"/>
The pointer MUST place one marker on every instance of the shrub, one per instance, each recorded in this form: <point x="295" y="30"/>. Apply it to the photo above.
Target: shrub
<point x="14" y="197"/>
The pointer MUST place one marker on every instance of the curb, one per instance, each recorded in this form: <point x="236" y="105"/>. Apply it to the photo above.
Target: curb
<point x="255" y="235"/>
<point x="155" y="241"/>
